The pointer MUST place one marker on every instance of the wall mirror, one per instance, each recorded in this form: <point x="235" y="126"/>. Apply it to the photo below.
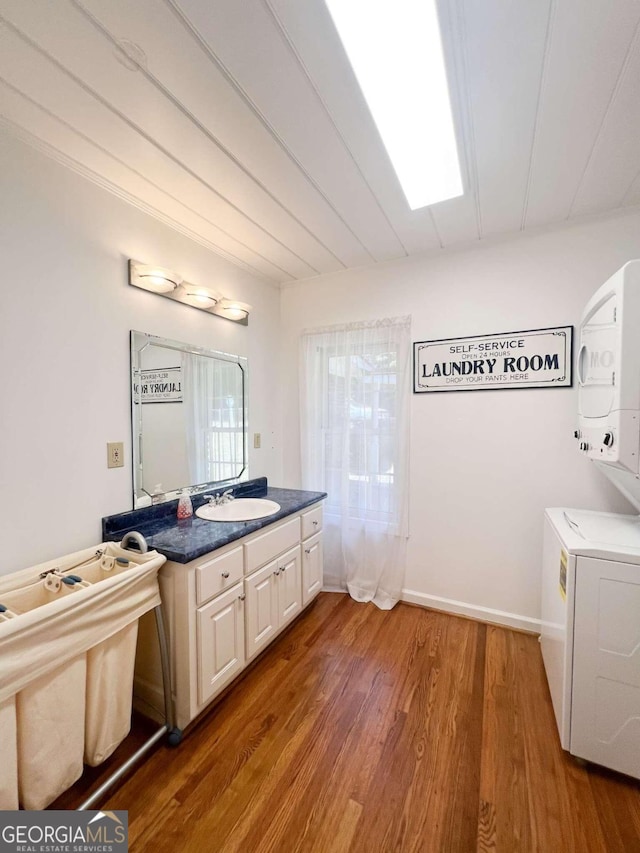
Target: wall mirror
<point x="189" y="418"/>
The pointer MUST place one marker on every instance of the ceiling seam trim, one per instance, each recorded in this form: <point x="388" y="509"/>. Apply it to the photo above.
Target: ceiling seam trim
<point x="129" y="168"/>
<point x="536" y="125"/>
<point x="294" y="52"/>
<point x="215" y="141"/>
<point x="151" y="141"/>
<point x="254" y="108"/>
<point x="104" y="183"/>
<point x="468" y="125"/>
<point x="612" y="98"/>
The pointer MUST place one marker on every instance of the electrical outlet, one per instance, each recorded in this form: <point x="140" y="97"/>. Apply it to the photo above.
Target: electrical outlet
<point x="256" y="440"/>
<point x="115" y="454"/>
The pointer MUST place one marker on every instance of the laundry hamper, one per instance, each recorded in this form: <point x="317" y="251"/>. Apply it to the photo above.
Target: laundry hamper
<point x="68" y="633"/>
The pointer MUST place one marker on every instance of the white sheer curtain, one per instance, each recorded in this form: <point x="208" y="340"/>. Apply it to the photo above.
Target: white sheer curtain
<point x="354" y="405"/>
<point x="214" y="417"/>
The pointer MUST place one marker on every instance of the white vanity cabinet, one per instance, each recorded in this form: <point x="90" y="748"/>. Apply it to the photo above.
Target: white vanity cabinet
<point x="274" y="591"/>
<point x="311" y="567"/>
<point x="225" y="607"/>
<point x="311" y="553"/>
<point x="220" y="642"/>
<point x="311" y="521"/>
<point x="289" y="586"/>
<point x="274" y="598"/>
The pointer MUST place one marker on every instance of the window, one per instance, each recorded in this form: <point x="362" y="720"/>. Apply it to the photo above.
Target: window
<point x="354" y="402"/>
<point x="360" y="408"/>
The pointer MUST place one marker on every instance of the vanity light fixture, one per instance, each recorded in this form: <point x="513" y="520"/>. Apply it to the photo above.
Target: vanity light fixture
<point x="167" y="283"/>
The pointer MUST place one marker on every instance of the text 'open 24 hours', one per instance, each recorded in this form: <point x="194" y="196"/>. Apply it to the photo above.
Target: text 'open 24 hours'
<point x="536" y="358"/>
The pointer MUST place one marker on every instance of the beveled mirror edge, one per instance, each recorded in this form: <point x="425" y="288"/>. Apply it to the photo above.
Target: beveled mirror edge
<point x="145" y="339"/>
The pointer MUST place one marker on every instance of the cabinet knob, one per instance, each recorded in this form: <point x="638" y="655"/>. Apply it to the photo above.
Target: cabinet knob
<point x="307" y="550"/>
<point x="242" y="596"/>
<point x="277" y="572"/>
<point x="315" y="523"/>
<point x="225" y="574"/>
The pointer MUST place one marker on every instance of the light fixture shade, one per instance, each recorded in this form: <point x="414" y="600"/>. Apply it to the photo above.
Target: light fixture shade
<point x="199" y="297"/>
<point x="232" y="309"/>
<point x="166" y="282"/>
<point x="154" y="278"/>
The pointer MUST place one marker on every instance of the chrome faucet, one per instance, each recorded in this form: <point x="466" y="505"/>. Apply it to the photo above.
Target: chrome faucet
<point x="220" y="499"/>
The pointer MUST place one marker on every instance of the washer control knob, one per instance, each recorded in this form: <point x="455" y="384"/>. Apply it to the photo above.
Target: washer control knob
<point x="608" y="438"/>
<point x="576" y="433"/>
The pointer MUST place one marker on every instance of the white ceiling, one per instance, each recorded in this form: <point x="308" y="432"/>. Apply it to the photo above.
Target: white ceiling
<point x="239" y="122"/>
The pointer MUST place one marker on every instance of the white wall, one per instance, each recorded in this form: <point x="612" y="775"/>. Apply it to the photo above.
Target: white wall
<point x="65" y="318"/>
<point x="484" y="464"/>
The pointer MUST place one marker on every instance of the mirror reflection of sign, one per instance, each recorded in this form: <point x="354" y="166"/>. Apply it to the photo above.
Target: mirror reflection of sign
<point x="537" y="358"/>
<point x="160" y="386"/>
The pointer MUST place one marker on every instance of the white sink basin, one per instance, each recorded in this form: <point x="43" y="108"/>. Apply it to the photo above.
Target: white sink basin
<point x="241" y="509"/>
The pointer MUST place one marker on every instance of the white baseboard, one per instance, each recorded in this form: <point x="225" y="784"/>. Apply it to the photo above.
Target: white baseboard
<point x="473" y="611"/>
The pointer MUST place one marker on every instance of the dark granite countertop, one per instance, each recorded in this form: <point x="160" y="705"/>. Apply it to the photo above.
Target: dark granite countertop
<point x="183" y="541"/>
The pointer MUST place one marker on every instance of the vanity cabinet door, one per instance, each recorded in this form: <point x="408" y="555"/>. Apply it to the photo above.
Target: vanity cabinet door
<point x="289" y="586"/>
<point x="311" y="567"/>
<point x="220" y="642"/>
<point x="261" y="607"/>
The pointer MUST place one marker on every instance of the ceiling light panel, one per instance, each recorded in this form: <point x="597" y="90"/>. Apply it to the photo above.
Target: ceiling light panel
<point x="395" y="50"/>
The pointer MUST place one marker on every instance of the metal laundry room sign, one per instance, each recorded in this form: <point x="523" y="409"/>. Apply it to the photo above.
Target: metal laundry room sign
<point x="536" y="358"/>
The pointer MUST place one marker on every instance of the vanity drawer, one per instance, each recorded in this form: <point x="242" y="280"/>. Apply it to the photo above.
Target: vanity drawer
<point x="214" y="576"/>
<point x="265" y="547"/>
<point x="311" y="521"/>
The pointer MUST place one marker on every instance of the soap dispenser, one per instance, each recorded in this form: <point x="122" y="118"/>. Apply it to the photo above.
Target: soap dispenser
<point x="185" y="507"/>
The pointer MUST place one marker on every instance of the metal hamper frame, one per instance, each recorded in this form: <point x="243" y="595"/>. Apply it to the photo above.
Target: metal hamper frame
<point x="174" y="734"/>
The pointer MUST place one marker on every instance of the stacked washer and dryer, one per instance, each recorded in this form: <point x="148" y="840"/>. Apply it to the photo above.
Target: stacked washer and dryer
<point x="590" y="634"/>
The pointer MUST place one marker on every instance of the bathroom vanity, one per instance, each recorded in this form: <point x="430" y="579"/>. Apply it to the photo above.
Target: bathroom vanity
<point x="228" y="590"/>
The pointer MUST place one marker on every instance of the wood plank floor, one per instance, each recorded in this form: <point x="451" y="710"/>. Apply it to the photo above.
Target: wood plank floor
<point x="363" y="730"/>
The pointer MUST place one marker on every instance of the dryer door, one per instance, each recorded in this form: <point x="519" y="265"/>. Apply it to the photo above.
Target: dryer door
<point x="597" y="358"/>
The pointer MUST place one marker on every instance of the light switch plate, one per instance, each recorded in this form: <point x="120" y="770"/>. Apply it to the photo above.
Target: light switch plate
<point x="115" y="454"/>
<point x="256" y="440"/>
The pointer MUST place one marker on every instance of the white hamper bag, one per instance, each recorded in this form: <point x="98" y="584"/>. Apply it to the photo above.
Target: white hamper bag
<point x="110" y="668"/>
<point x="68" y="633"/>
<point x="50" y="718"/>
